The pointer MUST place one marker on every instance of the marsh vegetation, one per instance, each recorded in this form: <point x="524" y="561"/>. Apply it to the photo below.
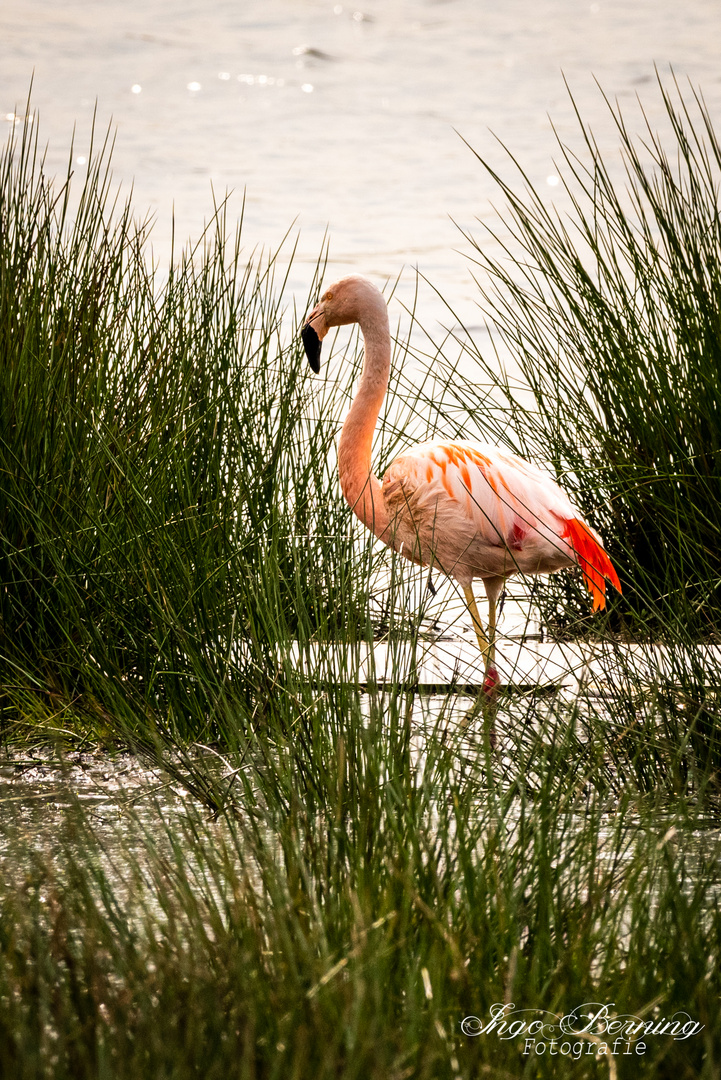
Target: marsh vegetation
<point x="346" y="870"/>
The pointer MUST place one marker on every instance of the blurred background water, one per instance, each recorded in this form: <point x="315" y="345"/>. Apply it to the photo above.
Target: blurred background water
<point x="342" y="118"/>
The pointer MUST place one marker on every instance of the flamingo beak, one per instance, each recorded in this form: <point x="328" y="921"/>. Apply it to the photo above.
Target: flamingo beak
<point x="312" y="346"/>
<point x="313" y="333"/>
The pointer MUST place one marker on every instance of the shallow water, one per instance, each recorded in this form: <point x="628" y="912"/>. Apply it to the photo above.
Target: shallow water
<point x="348" y="118"/>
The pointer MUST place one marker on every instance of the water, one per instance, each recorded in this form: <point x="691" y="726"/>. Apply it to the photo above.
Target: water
<point x="342" y="118"/>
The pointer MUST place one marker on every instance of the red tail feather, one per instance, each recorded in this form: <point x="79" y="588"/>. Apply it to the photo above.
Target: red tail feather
<point x="593" y="560"/>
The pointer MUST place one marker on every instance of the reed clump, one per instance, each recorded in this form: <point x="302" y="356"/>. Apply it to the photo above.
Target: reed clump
<point x="165" y="493"/>
<point x="366" y="895"/>
<point x="611" y="311"/>
<point x="607" y="329"/>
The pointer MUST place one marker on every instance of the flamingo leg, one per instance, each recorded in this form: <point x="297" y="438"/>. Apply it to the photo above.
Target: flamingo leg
<point x="484" y="644"/>
<point x="491" y="658"/>
<point x="487" y="645"/>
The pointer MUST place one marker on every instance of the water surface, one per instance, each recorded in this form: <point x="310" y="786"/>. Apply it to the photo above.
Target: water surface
<point x="342" y="117"/>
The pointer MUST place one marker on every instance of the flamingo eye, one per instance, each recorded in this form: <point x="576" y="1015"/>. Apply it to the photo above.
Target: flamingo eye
<point x="329" y="296"/>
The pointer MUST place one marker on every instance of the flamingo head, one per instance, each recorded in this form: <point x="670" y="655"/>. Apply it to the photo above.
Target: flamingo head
<point x="349" y="300"/>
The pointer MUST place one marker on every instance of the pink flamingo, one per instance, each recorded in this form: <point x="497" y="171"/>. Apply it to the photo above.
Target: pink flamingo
<point x="472" y="511"/>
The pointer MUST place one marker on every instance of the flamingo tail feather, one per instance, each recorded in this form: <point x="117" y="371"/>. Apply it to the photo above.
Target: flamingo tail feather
<point x="593" y="560"/>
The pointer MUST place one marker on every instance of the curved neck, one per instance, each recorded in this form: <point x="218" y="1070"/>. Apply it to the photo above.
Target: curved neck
<point x="360" y="487"/>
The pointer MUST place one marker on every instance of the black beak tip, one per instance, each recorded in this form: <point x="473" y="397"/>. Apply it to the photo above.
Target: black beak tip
<point x="312" y="346"/>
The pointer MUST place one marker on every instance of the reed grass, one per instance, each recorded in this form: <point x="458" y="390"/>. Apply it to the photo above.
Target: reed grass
<point x="171" y="519"/>
<point x="162" y="469"/>
<point x="611" y="312"/>
<point x="346" y="870"/>
<point x="364" y="898"/>
<point x="605" y="321"/>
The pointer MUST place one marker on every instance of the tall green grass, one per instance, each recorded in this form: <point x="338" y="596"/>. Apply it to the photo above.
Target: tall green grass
<point x="363" y="899"/>
<point x="170" y="518"/>
<point x="165" y="475"/>
<point x="606" y="318"/>
<point x="611" y="311"/>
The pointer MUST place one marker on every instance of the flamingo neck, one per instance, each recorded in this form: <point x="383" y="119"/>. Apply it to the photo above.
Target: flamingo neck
<point x="360" y="487"/>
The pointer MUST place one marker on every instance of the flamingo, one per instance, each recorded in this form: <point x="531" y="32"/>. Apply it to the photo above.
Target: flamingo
<point x="470" y="510"/>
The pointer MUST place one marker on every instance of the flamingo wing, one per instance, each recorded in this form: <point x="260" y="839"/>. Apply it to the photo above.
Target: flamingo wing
<point x="483" y="512"/>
